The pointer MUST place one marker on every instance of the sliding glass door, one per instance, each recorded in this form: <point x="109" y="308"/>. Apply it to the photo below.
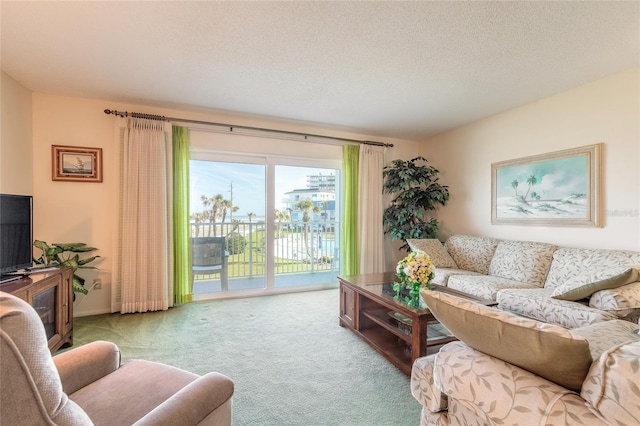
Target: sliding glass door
<point x="279" y="218"/>
<point x="228" y="204"/>
<point x="306" y="245"/>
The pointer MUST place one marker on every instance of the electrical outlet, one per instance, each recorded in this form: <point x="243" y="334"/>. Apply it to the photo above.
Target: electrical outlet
<point x="97" y="284"/>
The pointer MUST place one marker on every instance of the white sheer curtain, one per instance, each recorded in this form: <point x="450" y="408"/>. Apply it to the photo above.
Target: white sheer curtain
<point x="144" y="256"/>
<point x="370" y="207"/>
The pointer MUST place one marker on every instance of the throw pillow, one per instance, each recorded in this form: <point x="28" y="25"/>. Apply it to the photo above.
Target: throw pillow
<point x="546" y="350"/>
<point x="435" y="250"/>
<point x="612" y="386"/>
<point x="580" y="287"/>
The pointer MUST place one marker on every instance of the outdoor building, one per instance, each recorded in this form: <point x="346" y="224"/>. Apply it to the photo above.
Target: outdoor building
<point x="322" y="182"/>
<point x="321" y="191"/>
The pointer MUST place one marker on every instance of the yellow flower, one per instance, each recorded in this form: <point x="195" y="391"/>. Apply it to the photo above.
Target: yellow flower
<point x="415" y="268"/>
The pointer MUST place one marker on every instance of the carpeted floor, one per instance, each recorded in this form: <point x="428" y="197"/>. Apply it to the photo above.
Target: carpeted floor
<point x="292" y="364"/>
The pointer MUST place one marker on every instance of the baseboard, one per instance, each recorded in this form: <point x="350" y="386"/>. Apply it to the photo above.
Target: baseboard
<point x="90" y="312"/>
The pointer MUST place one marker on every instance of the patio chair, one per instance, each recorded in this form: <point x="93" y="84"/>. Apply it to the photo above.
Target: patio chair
<point x="208" y="256"/>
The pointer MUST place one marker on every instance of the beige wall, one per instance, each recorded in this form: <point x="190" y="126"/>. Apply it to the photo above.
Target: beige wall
<point x="83" y="212"/>
<point x="606" y="111"/>
<point x="16" y="150"/>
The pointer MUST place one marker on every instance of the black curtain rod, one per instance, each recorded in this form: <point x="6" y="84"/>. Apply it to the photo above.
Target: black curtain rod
<point x="232" y="126"/>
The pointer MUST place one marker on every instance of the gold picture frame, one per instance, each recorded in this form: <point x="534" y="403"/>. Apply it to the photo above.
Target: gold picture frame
<point x="560" y="188"/>
<point x="76" y="164"/>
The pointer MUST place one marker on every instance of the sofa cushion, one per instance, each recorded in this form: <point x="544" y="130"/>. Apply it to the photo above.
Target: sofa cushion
<point x="523" y="261"/>
<point x="571" y="263"/>
<point x="538" y="304"/>
<point x="472" y="253"/>
<point x="136" y="397"/>
<point x="441" y="275"/>
<point x="623" y="298"/>
<point x="611" y="386"/>
<point x="586" y="284"/>
<point x="483" y="286"/>
<point x="603" y="336"/>
<point x="543" y="349"/>
<point x="435" y="250"/>
<point x="633" y="316"/>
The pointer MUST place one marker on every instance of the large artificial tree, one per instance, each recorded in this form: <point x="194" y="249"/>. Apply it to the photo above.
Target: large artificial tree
<point x="416" y="191"/>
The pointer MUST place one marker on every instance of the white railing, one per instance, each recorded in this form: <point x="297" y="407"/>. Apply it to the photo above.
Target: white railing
<point x="299" y="247"/>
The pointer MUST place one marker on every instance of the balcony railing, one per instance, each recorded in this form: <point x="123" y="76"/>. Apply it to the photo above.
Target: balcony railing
<point x="298" y="247"/>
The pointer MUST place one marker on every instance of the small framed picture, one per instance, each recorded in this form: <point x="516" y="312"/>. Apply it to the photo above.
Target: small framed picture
<point x="77" y="164"/>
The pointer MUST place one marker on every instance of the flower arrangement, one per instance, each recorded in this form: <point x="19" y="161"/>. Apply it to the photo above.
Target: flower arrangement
<point x="415" y="272"/>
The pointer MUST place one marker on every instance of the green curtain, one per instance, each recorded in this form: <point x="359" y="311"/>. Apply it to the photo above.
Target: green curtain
<point x="181" y="226"/>
<point x="350" y="159"/>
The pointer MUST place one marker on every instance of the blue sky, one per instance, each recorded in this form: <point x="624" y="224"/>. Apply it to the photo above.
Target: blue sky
<point x="556" y="178"/>
<point x="210" y="178"/>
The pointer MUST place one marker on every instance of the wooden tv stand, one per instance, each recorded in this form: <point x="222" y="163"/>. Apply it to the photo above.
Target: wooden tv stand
<point x="51" y="294"/>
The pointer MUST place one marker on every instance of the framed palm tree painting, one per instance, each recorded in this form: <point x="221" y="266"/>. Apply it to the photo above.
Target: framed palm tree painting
<point x="559" y="188"/>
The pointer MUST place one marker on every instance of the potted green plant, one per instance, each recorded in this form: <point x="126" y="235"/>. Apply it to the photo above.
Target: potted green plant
<point x="416" y="191"/>
<point x="66" y="254"/>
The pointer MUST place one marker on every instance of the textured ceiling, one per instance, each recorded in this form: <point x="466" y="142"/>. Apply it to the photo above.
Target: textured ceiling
<point x="391" y="69"/>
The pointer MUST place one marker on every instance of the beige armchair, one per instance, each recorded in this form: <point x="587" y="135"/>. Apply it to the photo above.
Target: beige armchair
<point x="89" y="385"/>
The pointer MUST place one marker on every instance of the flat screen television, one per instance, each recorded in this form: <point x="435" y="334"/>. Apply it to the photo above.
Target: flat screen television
<point x="16" y="234"/>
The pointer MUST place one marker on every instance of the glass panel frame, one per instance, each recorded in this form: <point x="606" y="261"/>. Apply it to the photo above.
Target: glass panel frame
<point x="271" y="162"/>
<point x="312" y="242"/>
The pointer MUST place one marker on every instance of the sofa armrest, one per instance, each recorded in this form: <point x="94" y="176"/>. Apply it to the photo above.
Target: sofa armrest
<point x="85" y="364"/>
<point x="612" y="384"/>
<point x="423" y="386"/>
<point x="484" y="387"/>
<point x="617" y="299"/>
<point x="195" y="403"/>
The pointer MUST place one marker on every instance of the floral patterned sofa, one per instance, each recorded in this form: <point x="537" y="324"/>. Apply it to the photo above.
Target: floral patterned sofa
<point x="570" y="287"/>
<point x="510" y="370"/>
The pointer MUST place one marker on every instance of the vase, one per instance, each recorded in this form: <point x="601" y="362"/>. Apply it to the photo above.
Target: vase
<point x="409" y="292"/>
<point x="397" y="287"/>
<point x="414" y="295"/>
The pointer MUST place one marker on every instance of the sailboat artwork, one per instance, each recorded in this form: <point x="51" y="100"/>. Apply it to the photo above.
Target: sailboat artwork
<point x="76" y="163"/>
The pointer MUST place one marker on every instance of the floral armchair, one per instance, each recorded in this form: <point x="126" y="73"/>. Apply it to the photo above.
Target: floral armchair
<point x="463" y="386"/>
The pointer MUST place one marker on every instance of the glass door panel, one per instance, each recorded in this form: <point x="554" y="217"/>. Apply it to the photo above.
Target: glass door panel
<point x="306" y="226"/>
<point x="227" y="200"/>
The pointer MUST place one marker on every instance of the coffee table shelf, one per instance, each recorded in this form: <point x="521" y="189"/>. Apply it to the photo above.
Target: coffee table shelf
<point x="387" y="345"/>
<point x="399" y="332"/>
<point x="381" y="318"/>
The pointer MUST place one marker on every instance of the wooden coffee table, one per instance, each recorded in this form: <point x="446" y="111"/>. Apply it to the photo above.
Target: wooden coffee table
<point x="399" y="332"/>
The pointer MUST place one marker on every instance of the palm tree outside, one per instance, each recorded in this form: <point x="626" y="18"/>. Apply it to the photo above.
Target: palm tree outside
<point x="215" y="203"/>
<point x="306" y="207"/>
<point x="280" y="217"/>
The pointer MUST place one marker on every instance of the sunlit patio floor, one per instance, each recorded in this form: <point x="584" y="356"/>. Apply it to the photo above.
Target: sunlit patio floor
<point x="205" y="286"/>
